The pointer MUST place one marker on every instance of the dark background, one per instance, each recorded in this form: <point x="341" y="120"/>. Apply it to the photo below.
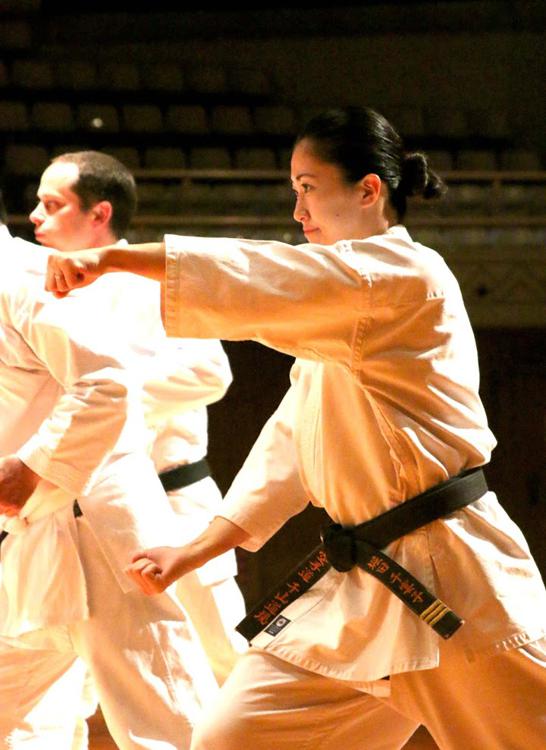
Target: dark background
<point x="384" y="54"/>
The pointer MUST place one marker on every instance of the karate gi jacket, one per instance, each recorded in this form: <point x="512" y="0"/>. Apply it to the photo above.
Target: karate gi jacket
<point x="184" y="376"/>
<point x="71" y="409"/>
<point x="383" y="404"/>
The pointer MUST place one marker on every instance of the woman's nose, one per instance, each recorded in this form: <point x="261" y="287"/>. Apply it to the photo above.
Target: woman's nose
<point x="300" y="212"/>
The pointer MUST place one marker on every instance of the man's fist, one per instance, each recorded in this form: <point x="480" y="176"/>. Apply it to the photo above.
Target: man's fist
<point x="17" y="483"/>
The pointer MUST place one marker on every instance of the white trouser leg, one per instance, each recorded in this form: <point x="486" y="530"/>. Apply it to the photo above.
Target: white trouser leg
<point x="40" y="692"/>
<point x="267" y="703"/>
<point x="211" y="597"/>
<point x="215" y="610"/>
<point x="493" y="703"/>
<point x="149" y="669"/>
<point x="88" y="706"/>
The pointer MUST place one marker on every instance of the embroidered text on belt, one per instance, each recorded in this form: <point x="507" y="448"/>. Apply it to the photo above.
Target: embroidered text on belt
<point x="184" y="475"/>
<point x="343" y="548"/>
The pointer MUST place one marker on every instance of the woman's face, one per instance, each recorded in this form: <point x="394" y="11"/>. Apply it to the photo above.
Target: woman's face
<point x="328" y="208"/>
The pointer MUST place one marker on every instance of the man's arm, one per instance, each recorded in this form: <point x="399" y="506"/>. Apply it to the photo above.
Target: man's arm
<point x="17" y="483"/>
<point x="53" y="336"/>
<point x="66" y="271"/>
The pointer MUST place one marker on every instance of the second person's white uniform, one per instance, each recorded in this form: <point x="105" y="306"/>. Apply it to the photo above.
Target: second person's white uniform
<point x="71" y="409"/>
<point x="184" y="376"/>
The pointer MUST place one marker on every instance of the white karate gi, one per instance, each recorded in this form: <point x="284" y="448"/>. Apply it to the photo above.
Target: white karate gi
<point x="180" y="380"/>
<point x="184" y="376"/>
<point x="383" y="405"/>
<point x="71" y="408"/>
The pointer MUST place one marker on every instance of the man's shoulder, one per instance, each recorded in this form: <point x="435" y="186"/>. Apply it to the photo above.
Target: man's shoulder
<point x="19" y="255"/>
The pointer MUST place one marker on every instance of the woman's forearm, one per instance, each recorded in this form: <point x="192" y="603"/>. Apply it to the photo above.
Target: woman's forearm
<point x="145" y="259"/>
<point x="153" y="570"/>
<point x="220" y="536"/>
<point x="66" y="271"/>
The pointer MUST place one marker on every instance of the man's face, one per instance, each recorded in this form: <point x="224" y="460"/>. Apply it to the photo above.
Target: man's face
<point x="59" y="219"/>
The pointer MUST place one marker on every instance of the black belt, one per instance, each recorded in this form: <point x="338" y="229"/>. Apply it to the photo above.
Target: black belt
<point x="343" y="548"/>
<point x="184" y="475"/>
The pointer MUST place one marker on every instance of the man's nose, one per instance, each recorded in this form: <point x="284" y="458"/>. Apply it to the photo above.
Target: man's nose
<point x="36" y="216"/>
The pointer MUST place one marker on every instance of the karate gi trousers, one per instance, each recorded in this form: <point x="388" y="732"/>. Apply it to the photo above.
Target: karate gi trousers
<point x="148" y="667"/>
<point x="210" y="596"/>
<point x="493" y="703"/>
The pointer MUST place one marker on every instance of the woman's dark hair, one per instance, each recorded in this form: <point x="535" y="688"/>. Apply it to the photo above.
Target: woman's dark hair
<point x="3" y="212"/>
<point x="360" y="141"/>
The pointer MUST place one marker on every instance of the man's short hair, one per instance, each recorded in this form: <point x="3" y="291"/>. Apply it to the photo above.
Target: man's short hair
<point x="104" y="178"/>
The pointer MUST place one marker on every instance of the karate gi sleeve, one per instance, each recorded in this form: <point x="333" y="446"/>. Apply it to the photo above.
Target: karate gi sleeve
<point x="184" y="375"/>
<point x="89" y="416"/>
<point x="304" y="300"/>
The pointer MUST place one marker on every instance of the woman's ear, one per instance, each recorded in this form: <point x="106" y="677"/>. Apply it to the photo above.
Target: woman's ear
<point x="370" y="188"/>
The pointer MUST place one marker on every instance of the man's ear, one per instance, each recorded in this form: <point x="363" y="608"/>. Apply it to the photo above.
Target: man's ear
<point x="102" y="213"/>
<point x="370" y="188"/>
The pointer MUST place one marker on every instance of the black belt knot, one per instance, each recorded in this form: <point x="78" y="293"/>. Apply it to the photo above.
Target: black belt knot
<point x="343" y="548"/>
<point x="339" y="545"/>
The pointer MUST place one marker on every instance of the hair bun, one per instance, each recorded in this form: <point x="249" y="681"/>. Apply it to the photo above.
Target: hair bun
<point x="418" y="178"/>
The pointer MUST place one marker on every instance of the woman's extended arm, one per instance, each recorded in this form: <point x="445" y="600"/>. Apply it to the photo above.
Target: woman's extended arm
<point x="66" y="271"/>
